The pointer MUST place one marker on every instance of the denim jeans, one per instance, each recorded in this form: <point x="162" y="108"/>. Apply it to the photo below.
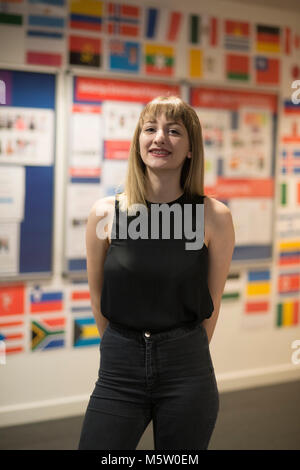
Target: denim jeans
<point x="165" y="377"/>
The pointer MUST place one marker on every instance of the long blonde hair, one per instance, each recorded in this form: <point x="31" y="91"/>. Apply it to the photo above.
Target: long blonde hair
<point x="192" y="173"/>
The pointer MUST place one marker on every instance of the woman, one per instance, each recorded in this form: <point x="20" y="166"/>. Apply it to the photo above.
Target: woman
<point x="156" y="299"/>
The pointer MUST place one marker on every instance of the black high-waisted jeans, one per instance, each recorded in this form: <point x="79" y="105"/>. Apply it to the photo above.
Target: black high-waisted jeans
<point x="167" y="377"/>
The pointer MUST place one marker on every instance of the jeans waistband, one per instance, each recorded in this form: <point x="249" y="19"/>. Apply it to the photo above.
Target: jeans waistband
<point x="154" y="336"/>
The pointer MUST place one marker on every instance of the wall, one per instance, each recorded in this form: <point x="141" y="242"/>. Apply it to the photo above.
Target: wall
<point x="55" y="384"/>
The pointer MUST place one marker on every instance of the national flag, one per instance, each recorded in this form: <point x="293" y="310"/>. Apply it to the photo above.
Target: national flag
<point x="124" y="55"/>
<point x="203" y="30"/>
<point x="288" y="313"/>
<point x="84" y="51"/>
<point x="163" y="24"/>
<point x="258" y="283"/>
<point x="267" y="70"/>
<point x="289" y="283"/>
<point x="254" y="307"/>
<point x="233" y="287"/>
<point x="195" y="63"/>
<point x="289" y="253"/>
<point x="85" y="332"/>
<point x="123" y="19"/>
<point x="237" y="35"/>
<point x="86" y="15"/>
<point x="267" y="38"/>
<point x="12" y="299"/>
<point x="80" y="300"/>
<point x="237" y="67"/>
<point x="43" y="300"/>
<point x="48" y="333"/>
<point x="290" y="162"/>
<point x="12" y="12"/>
<point x="12" y="333"/>
<point x="160" y="60"/>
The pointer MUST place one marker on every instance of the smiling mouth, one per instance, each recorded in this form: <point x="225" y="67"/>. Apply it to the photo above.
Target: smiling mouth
<point x="159" y="153"/>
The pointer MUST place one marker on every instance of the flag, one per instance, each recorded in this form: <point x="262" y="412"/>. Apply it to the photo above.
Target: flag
<point x="12" y="299"/>
<point x="124" y="55"/>
<point x="289" y="283"/>
<point x="85" y="332"/>
<point x="48" y="333"/>
<point x="288" y="313"/>
<point x="44" y="300"/>
<point x="289" y="253"/>
<point x="257" y="301"/>
<point x="237" y="67"/>
<point x="159" y="60"/>
<point x="290" y="162"/>
<point x="87" y="15"/>
<point x="203" y="30"/>
<point x="258" y="283"/>
<point x="84" y="51"/>
<point x="195" y="63"/>
<point x="163" y="24"/>
<point x="237" y="35"/>
<point x="12" y="12"/>
<point x="233" y="287"/>
<point x="12" y="333"/>
<point x="80" y="300"/>
<point x="267" y="38"/>
<point x="123" y="19"/>
<point x="267" y="70"/>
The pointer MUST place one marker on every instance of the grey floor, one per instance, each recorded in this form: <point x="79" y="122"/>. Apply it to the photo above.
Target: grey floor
<point x="260" y="418"/>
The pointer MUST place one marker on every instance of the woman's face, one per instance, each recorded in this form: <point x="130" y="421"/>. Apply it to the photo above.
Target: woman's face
<point x="164" y="143"/>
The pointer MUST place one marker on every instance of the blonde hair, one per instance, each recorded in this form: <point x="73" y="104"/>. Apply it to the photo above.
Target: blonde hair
<point x="192" y="173"/>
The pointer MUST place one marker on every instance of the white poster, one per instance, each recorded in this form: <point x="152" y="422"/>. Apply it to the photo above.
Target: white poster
<point x="120" y="119"/>
<point x="26" y="136"/>
<point x="248" y="215"/>
<point x="86" y="139"/>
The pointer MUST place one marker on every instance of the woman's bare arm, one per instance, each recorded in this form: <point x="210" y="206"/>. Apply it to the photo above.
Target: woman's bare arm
<point x="220" y="250"/>
<point x="96" y="250"/>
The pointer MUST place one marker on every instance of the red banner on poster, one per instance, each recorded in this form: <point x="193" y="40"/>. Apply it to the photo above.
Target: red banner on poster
<point x="227" y="188"/>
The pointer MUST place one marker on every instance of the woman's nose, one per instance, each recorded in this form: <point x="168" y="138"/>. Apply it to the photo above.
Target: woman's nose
<point x="159" y="136"/>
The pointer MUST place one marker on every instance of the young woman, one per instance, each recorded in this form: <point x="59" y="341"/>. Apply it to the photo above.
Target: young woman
<point x="156" y="297"/>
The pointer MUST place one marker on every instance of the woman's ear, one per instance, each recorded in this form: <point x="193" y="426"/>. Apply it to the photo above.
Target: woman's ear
<point x="189" y="155"/>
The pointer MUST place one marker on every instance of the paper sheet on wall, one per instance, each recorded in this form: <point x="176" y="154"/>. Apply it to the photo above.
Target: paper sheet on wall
<point x="26" y="136"/>
<point x="247" y="215"/>
<point x="80" y="201"/>
<point x="86" y="139"/>
<point x="12" y="193"/>
<point x="9" y="247"/>
<point x="120" y="119"/>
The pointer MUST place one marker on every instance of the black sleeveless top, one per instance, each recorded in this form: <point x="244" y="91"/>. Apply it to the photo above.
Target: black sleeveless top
<point x="157" y="284"/>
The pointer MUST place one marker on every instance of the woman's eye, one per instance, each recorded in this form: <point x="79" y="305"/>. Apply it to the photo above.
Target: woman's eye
<point x="174" y="131"/>
<point x="149" y="129"/>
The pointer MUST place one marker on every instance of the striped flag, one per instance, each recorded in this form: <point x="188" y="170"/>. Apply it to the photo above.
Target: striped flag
<point x="289" y="253"/>
<point x="290" y="162"/>
<point x="48" y="333"/>
<point x="267" y="38"/>
<point x="203" y="30"/>
<point x="257" y="298"/>
<point x="258" y="283"/>
<point x="45" y="300"/>
<point x="288" y="313"/>
<point x="160" y="60"/>
<point x="45" y="35"/>
<point x="85" y="51"/>
<point x="233" y="287"/>
<point x="163" y="24"/>
<point x="289" y="283"/>
<point x="123" y="19"/>
<point x="12" y="12"/>
<point x="86" y="15"/>
<point x="85" y="332"/>
<point x="237" y="35"/>
<point x="80" y="300"/>
<point x="237" y="67"/>
<point x="12" y="333"/>
<point x="267" y="70"/>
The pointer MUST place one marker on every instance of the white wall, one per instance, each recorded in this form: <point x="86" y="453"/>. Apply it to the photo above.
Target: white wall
<point x="55" y="384"/>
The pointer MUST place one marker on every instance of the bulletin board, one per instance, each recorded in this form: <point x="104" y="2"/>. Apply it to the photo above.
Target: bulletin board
<point x="239" y="131"/>
<point x="27" y="138"/>
<point x="103" y="116"/>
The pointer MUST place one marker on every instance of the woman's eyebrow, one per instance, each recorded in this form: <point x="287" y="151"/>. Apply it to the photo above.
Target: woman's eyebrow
<point x="169" y="123"/>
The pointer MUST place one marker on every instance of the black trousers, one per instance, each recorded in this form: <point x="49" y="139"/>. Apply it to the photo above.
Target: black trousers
<point x="166" y="377"/>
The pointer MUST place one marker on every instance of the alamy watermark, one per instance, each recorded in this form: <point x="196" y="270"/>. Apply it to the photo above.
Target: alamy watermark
<point x="296" y="94"/>
<point x="160" y="218"/>
<point x="296" y="354"/>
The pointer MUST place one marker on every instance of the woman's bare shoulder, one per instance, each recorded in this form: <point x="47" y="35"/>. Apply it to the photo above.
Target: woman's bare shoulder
<point x="218" y="216"/>
<point x="102" y="206"/>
